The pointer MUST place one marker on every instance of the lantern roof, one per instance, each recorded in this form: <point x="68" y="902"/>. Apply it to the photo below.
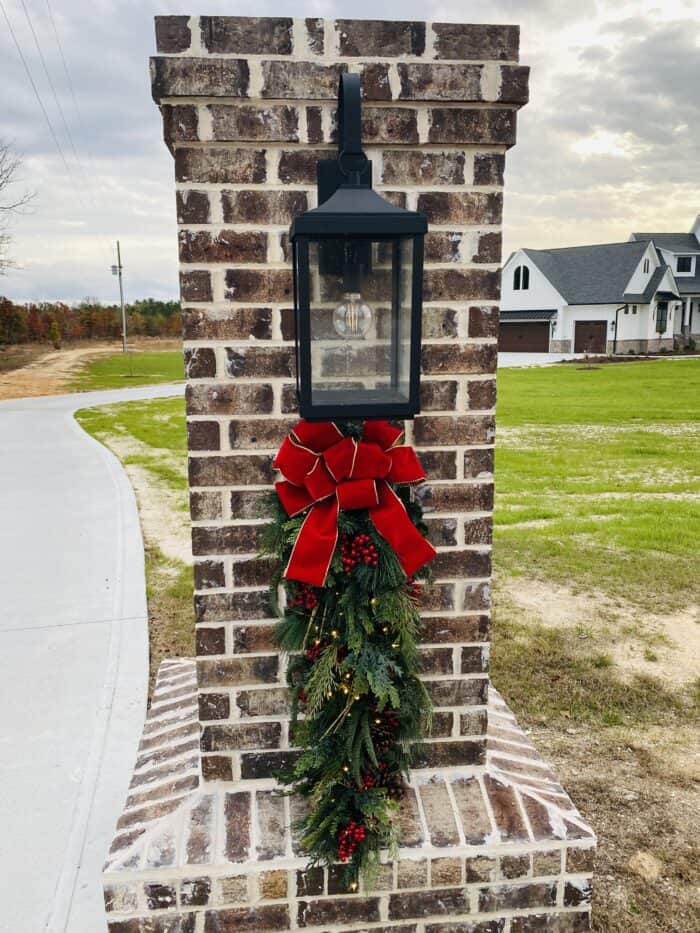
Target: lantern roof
<point x="358" y="210"/>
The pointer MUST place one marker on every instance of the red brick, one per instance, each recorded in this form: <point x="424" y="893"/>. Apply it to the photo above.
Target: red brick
<point x="195" y="286"/>
<point x="449" y="430"/>
<point x="180" y="123"/>
<point x="263" y="207"/>
<point x="246" y="35"/>
<point x="258" y="286"/>
<point x="458" y="692"/>
<point x="200" y="363"/>
<point x="286" y="80"/>
<point x="260" y="361"/>
<point x="225" y="398"/>
<point x="172" y="33"/>
<point x="384" y="38"/>
<point x="203" y="435"/>
<point x="483" y="322"/>
<point x="214" y="706"/>
<point x="445" y="902"/>
<point x="240" y="470"/>
<point x="518" y="897"/>
<point x="235" y="736"/>
<point x="225" y="246"/>
<point x="455" y="358"/>
<point x="420" y="167"/>
<point x="449" y="629"/>
<point x="461" y="125"/>
<point x="220" y="166"/>
<point x="471" y="807"/>
<point x="461" y="284"/>
<point x="434" y="82"/>
<point x="461" y="207"/>
<point x="504" y="803"/>
<point x="488" y="168"/>
<point x="199" y="77"/>
<point x="226" y="607"/>
<point x="193" y="207"/>
<point x="209" y="574"/>
<point x="226" y="539"/>
<point x="338" y="911"/>
<point x="482" y="395"/>
<point x="233" y="672"/>
<point x="478" y="42"/>
<point x="457" y="497"/>
<point x="478" y="531"/>
<point x="260" y="919"/>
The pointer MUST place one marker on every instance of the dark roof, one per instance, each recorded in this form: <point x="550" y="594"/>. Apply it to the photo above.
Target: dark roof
<point x="589" y="274"/>
<point x="506" y="316"/>
<point x="643" y="298"/>
<point x="673" y="242"/>
<point x="688" y="284"/>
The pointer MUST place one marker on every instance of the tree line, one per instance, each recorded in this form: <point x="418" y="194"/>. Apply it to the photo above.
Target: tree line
<point x="56" y="322"/>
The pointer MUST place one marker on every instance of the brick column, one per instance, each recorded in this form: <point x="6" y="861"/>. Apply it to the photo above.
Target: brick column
<point x="490" y="842"/>
<point x="248" y="108"/>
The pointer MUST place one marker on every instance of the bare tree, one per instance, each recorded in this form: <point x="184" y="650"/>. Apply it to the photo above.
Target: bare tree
<point x="11" y="202"/>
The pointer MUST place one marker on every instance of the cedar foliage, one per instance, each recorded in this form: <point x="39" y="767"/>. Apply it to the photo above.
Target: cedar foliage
<point x="358" y="706"/>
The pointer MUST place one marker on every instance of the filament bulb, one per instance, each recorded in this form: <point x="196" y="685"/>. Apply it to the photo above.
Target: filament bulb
<point x="353" y="317"/>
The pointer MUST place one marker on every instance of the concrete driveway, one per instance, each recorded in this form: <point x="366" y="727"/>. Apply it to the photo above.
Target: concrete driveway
<point x="506" y="360"/>
<point x="73" y="658"/>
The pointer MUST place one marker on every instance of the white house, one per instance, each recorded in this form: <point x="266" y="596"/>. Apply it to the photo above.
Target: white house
<point x="610" y="298"/>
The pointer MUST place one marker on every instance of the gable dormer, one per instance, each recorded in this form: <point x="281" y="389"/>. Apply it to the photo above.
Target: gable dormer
<point x="695" y="229"/>
<point x="645" y="269"/>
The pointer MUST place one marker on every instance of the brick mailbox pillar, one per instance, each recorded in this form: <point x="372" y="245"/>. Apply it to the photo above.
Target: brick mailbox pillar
<point x="490" y="841"/>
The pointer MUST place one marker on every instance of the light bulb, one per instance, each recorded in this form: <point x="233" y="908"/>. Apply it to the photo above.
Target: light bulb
<point x="353" y="317"/>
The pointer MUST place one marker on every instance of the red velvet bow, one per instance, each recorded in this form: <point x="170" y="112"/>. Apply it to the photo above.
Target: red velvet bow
<point x="327" y="471"/>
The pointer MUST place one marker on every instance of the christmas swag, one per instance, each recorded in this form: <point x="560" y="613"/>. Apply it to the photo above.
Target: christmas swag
<point x="352" y="543"/>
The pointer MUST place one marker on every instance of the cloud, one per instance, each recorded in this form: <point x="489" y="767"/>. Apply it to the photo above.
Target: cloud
<point x="609" y="142"/>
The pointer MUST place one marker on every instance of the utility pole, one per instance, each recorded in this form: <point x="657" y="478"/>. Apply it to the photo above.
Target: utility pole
<point x="117" y="270"/>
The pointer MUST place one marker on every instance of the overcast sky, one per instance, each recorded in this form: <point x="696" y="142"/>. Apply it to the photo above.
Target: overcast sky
<point x="609" y="143"/>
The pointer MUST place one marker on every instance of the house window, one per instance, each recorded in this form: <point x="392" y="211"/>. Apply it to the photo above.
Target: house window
<point x="684" y="264"/>
<point x="627" y="309"/>
<point x="661" y="317"/>
<point x="521" y="278"/>
<point x="646" y="265"/>
<point x="634" y="309"/>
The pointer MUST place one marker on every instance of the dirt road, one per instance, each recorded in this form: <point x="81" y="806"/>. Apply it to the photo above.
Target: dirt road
<point x="53" y="372"/>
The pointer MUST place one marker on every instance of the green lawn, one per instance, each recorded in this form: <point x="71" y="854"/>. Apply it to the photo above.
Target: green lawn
<point x="659" y="391"/>
<point x="158" y="429"/>
<point x="598" y="493"/>
<point x="118" y="370"/>
<point x="598" y="478"/>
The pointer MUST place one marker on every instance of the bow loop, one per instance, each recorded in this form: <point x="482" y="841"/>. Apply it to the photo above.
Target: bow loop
<point x="326" y="471"/>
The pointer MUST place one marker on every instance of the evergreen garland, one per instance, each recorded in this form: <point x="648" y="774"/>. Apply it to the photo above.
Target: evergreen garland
<point x="358" y="706"/>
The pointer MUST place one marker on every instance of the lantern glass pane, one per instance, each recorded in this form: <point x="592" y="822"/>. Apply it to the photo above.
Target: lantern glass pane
<point x="360" y="301"/>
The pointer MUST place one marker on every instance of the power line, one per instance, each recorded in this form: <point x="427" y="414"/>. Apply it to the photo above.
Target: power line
<point x="35" y="89"/>
<point x="53" y="89"/>
<point x="69" y="81"/>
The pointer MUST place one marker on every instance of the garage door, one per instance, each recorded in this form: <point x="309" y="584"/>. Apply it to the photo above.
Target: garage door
<point x="589" y="336"/>
<point x="532" y="337"/>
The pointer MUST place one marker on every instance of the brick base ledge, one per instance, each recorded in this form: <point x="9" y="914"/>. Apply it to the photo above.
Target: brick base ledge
<point x="496" y="849"/>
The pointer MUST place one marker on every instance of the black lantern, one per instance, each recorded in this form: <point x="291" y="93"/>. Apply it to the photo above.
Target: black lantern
<point x="358" y="284"/>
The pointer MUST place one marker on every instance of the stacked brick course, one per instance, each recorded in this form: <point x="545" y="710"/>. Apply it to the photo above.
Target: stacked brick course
<point x="248" y="108"/>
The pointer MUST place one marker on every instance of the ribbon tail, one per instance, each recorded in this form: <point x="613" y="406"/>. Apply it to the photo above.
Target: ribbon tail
<point x="313" y="549"/>
<point x="391" y="520"/>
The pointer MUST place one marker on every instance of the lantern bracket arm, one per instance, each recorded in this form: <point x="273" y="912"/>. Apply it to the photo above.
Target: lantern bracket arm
<point x="349" y="116"/>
